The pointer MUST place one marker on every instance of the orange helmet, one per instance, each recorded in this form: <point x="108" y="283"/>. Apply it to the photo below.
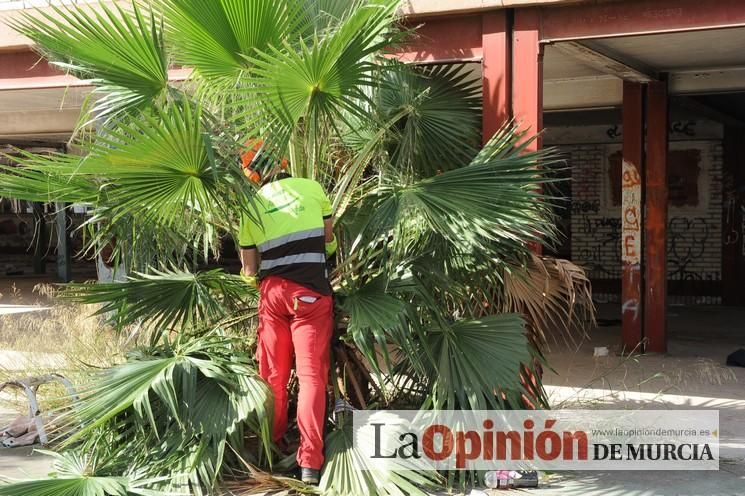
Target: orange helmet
<point x="258" y="162"/>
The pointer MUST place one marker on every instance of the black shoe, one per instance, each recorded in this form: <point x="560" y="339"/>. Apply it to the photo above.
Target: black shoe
<point x="310" y="476"/>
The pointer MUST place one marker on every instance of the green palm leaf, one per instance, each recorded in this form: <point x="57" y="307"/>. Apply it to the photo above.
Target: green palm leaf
<point x="324" y="14"/>
<point x="174" y="408"/>
<point x="442" y="127"/>
<point x="158" y="168"/>
<point x="492" y="206"/>
<point x="80" y="486"/>
<point x="346" y="473"/>
<point x="375" y="316"/>
<point x="473" y="361"/>
<point x="321" y="78"/>
<point x="46" y="178"/>
<point x="174" y="299"/>
<point x="122" y="52"/>
<point x="217" y="37"/>
<point x="79" y="475"/>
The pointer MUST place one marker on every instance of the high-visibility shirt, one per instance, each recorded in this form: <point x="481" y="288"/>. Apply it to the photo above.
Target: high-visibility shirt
<point x="288" y="231"/>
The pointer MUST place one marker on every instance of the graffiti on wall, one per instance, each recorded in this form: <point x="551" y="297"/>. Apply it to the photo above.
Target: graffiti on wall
<point x="688" y="239"/>
<point x="676" y="128"/>
<point x="687" y="242"/>
<point x="631" y="195"/>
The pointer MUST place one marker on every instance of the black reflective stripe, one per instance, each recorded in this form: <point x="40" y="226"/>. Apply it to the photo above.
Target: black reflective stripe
<point x="327" y="217"/>
<point x="250" y="247"/>
<point x="310" y="245"/>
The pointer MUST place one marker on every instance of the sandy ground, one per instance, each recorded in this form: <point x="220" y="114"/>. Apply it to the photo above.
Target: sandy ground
<point x="691" y="375"/>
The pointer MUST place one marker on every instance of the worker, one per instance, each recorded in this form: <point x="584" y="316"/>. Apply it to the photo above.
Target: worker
<point x="284" y="245"/>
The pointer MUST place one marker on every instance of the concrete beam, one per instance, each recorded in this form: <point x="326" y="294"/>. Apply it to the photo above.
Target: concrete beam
<point x="605" y="91"/>
<point x="11" y="40"/>
<point x="607" y="63"/>
<point x="26" y="124"/>
<point x="708" y="80"/>
<point x="582" y="93"/>
<point x="447" y="39"/>
<point x="426" y="8"/>
<point x="635" y="17"/>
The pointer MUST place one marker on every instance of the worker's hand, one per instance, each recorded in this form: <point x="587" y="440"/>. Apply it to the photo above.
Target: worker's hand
<point x="331" y="247"/>
<point x="250" y="280"/>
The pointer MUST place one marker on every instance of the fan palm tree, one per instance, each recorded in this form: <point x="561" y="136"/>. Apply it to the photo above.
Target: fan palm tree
<point x="440" y="303"/>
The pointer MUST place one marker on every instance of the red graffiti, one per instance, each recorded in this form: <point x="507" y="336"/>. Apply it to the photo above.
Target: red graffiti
<point x="631" y="178"/>
<point x="629" y="245"/>
<point x="631" y="219"/>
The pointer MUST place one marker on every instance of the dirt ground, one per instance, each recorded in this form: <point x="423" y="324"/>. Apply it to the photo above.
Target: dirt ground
<point x="691" y="375"/>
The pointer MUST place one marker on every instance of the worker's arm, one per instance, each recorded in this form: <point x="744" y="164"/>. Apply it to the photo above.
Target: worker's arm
<point x="250" y="265"/>
<point x="328" y="222"/>
<point x="249" y="254"/>
<point x="328" y="227"/>
<point x="249" y="261"/>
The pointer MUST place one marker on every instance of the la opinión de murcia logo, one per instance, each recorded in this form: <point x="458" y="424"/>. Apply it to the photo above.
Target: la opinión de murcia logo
<point x="517" y="437"/>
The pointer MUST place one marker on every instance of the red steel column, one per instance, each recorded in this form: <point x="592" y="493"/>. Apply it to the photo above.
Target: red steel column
<point x="655" y="219"/>
<point x="527" y="72"/>
<point x="527" y="79"/>
<point x="631" y="215"/>
<point x="496" y="70"/>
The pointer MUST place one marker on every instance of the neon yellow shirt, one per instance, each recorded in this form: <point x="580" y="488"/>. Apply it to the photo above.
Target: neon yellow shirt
<point x="289" y="231"/>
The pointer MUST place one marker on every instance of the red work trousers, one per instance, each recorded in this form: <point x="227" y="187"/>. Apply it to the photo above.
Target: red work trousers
<point x="295" y="319"/>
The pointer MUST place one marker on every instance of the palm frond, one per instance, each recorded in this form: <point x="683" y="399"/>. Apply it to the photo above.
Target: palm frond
<point x="218" y="37"/>
<point x="474" y="361"/>
<point x="122" y="52"/>
<point x="175" y="299"/>
<point x="46" y="178"/>
<point x="159" y="168"/>
<point x="442" y="128"/>
<point x="77" y="474"/>
<point x="345" y="472"/>
<point x="320" y="79"/>
<point x="174" y="408"/>
<point x="492" y="206"/>
<point x="325" y="14"/>
<point x="375" y="316"/>
<point x="556" y="297"/>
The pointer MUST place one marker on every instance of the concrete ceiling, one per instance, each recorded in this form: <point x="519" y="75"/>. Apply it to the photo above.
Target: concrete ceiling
<point x="697" y="62"/>
<point x="714" y="49"/>
<point x="559" y="65"/>
<point x="29" y="100"/>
